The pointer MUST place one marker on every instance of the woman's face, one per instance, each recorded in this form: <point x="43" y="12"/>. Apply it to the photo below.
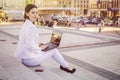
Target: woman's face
<point x="33" y="14"/>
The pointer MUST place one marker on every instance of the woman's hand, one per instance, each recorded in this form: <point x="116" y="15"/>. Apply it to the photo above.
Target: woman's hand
<point x="40" y="44"/>
<point x="44" y="47"/>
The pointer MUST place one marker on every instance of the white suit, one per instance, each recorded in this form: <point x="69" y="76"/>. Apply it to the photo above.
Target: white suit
<point x="28" y="47"/>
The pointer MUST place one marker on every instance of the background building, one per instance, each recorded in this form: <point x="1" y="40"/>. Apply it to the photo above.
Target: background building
<point x="110" y="8"/>
<point x="68" y="7"/>
<point x="82" y="6"/>
<point x="56" y="7"/>
<point x="66" y="4"/>
<point x="93" y="8"/>
<point x="63" y="7"/>
<point x="115" y="8"/>
<point x="13" y="4"/>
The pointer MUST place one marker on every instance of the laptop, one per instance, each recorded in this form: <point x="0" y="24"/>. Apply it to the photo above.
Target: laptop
<point x="54" y="41"/>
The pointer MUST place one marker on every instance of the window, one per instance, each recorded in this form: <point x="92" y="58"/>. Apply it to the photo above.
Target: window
<point x="59" y="2"/>
<point x="62" y="2"/>
<point x="69" y="2"/>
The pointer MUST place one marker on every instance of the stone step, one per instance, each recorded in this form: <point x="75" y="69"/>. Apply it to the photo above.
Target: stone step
<point x="52" y="72"/>
<point x="10" y="67"/>
<point x="47" y="74"/>
<point x="3" y="74"/>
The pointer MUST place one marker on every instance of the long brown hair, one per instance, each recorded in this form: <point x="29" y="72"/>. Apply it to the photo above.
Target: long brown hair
<point x="27" y="9"/>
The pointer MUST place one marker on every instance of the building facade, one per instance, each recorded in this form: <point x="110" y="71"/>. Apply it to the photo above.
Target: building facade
<point x="106" y="8"/>
<point x="82" y="6"/>
<point x="13" y="4"/>
<point x="110" y="8"/>
<point x="12" y="9"/>
<point x="66" y="4"/>
<point x="115" y="8"/>
<point x="68" y="7"/>
<point x="93" y="8"/>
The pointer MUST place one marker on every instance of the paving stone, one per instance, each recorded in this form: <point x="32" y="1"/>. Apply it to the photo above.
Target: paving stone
<point x="12" y="69"/>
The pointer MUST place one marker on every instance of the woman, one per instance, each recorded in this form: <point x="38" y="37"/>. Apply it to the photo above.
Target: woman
<point x="29" y="50"/>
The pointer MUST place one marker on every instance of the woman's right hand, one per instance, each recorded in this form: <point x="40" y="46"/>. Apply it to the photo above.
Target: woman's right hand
<point x="44" y="47"/>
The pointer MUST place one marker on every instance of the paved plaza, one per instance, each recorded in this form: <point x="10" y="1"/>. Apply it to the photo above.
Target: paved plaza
<point x="96" y="56"/>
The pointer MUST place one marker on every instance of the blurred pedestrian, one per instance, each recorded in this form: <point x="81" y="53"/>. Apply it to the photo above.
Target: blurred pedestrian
<point x="102" y="24"/>
<point x="69" y="22"/>
<point x="99" y="27"/>
<point x="77" y="26"/>
<point x="85" y="22"/>
<point x="119" y="22"/>
<point x="41" y="20"/>
<point x="51" y="24"/>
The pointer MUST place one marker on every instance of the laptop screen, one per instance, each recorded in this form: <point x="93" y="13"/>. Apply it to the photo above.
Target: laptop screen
<point x="56" y="37"/>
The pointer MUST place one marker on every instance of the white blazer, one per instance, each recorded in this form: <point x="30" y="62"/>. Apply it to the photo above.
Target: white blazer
<point x="28" y="43"/>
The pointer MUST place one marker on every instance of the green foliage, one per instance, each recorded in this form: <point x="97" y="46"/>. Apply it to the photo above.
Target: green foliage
<point x="28" y="2"/>
<point x="64" y="6"/>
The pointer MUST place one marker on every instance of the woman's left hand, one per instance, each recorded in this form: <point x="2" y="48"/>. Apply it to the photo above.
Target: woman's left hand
<point x="40" y="44"/>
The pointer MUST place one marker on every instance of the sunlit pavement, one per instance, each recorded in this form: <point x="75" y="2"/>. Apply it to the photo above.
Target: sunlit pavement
<point x="95" y="56"/>
<point x="10" y="23"/>
<point x="111" y="30"/>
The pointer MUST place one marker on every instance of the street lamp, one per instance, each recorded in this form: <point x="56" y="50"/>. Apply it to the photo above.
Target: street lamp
<point x="110" y="6"/>
<point x="99" y="4"/>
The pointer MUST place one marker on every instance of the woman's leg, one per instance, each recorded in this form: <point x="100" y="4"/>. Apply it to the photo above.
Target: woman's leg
<point x="59" y="58"/>
<point x="54" y="53"/>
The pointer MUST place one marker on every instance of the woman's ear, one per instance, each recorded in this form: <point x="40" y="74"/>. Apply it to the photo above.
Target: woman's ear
<point x="27" y="14"/>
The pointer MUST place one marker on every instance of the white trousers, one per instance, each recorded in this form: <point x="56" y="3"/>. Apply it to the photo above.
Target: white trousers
<point x="54" y="53"/>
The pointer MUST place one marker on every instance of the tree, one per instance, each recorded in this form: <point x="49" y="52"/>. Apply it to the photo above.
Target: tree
<point x="28" y="2"/>
<point x="64" y="6"/>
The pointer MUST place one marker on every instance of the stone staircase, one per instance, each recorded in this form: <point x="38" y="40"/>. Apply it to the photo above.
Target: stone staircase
<point x="12" y="68"/>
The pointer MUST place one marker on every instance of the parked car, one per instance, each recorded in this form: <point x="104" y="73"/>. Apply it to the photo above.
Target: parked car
<point x="109" y="22"/>
<point x="75" y="19"/>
